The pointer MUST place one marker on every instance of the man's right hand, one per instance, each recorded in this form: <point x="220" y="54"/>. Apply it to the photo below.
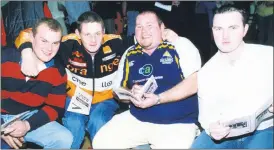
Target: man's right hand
<point x="28" y="64"/>
<point x="217" y="131"/>
<point x="13" y="142"/>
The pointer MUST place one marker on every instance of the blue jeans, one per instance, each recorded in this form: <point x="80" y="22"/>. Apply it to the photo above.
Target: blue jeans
<point x="131" y="22"/>
<point x="49" y="136"/>
<point x="260" y="139"/>
<point x="75" y="9"/>
<point x="99" y="115"/>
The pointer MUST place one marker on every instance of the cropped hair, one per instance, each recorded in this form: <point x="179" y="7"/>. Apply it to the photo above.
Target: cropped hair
<point x="89" y="17"/>
<point x="232" y="8"/>
<point x="51" y="23"/>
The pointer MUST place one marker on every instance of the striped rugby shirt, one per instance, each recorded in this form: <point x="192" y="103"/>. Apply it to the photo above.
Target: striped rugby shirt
<point x="46" y="92"/>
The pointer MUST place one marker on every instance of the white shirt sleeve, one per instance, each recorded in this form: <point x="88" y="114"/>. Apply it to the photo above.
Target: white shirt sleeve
<point x="190" y="60"/>
<point x="120" y="72"/>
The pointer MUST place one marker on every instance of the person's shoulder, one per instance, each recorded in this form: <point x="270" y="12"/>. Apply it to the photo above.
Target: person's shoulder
<point x="111" y="38"/>
<point x="133" y="50"/>
<point x="72" y="36"/>
<point x="210" y="65"/>
<point x="259" y="50"/>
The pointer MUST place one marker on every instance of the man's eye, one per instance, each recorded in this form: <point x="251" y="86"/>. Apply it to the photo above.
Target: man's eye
<point x="44" y="41"/>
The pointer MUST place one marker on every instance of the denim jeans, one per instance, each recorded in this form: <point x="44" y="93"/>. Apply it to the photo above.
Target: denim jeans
<point x="260" y="139"/>
<point x="99" y="115"/>
<point x="131" y="22"/>
<point x="75" y="9"/>
<point x="49" y="136"/>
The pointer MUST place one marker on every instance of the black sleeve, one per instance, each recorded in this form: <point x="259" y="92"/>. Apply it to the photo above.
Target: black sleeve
<point x="127" y="41"/>
<point x="9" y="54"/>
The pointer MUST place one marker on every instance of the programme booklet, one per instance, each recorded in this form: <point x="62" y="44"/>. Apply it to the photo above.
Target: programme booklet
<point x="149" y="87"/>
<point x="20" y="116"/>
<point x="249" y="123"/>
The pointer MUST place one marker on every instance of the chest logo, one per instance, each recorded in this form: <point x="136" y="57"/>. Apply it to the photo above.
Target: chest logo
<point x="146" y="70"/>
<point x="166" y="58"/>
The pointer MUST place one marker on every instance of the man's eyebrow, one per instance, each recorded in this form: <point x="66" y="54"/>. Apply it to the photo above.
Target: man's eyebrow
<point x="234" y="26"/>
<point x="57" y="41"/>
<point x="43" y="39"/>
<point x="216" y="27"/>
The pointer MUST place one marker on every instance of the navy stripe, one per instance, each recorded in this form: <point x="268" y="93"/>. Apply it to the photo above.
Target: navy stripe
<point x="38" y="119"/>
<point x="19" y="85"/>
<point x="59" y="90"/>
<point x="14" y="107"/>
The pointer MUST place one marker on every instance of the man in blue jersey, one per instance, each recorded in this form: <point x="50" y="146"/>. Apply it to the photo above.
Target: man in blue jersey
<point x="155" y="120"/>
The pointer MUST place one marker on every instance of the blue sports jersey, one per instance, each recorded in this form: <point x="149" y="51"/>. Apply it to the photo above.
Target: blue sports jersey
<point x="164" y="65"/>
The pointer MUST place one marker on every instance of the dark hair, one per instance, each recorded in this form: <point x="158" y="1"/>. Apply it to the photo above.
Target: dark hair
<point x="232" y="8"/>
<point x="91" y="17"/>
<point x="160" y="21"/>
<point x="51" y="23"/>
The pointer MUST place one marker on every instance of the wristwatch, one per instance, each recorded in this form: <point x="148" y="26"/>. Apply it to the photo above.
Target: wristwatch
<point x="158" y="99"/>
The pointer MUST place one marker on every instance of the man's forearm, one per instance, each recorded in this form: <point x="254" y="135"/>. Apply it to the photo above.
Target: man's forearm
<point x="182" y="90"/>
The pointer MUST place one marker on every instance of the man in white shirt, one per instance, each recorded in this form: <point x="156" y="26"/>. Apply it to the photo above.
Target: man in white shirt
<point x="234" y="83"/>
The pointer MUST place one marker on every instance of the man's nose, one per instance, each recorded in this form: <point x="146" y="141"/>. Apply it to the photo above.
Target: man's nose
<point x="225" y="34"/>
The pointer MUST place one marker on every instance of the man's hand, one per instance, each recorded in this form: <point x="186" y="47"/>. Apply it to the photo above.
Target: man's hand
<point x="28" y="64"/>
<point x="170" y="35"/>
<point x="143" y="100"/>
<point x="150" y="99"/>
<point x="13" y="142"/>
<point x="218" y="131"/>
<point x="18" y="128"/>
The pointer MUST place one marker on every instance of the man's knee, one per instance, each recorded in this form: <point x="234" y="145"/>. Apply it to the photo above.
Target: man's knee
<point x="62" y="139"/>
<point x="74" y="121"/>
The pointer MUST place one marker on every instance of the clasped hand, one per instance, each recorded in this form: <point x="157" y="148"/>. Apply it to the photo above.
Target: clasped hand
<point x="143" y="100"/>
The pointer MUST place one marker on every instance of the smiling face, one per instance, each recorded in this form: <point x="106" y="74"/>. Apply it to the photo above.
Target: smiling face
<point x="148" y="31"/>
<point x="228" y="31"/>
<point x="46" y="42"/>
<point x="91" y="35"/>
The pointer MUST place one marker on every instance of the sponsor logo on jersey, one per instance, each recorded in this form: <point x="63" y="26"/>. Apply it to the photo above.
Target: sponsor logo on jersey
<point x="109" y="67"/>
<point x="82" y="71"/>
<point x="77" y="59"/>
<point x="131" y="63"/>
<point x="107" y="49"/>
<point x="166" y="58"/>
<point x="146" y="70"/>
<point x="109" y="57"/>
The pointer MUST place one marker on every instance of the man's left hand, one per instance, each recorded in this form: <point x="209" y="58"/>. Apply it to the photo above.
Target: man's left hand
<point x="170" y="35"/>
<point x="18" y="128"/>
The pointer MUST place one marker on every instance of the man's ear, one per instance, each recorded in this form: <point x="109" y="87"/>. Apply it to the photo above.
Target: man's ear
<point x="246" y="29"/>
<point x="162" y="26"/>
<point x="77" y="33"/>
<point x="31" y="37"/>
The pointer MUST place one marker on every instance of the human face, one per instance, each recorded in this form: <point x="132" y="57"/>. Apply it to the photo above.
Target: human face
<point x="148" y="31"/>
<point x="228" y="31"/>
<point x="46" y="43"/>
<point x="91" y="36"/>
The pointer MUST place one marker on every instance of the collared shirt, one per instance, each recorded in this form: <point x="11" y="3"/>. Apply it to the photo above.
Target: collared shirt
<point x="228" y="91"/>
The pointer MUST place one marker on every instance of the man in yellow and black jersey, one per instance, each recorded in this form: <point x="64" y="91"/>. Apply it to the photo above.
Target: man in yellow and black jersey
<point x="91" y="60"/>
